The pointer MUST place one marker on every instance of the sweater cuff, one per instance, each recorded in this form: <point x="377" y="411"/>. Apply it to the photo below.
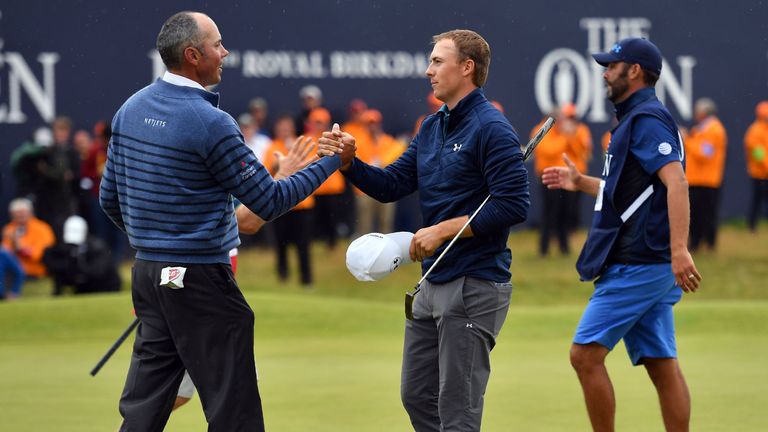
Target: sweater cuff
<point x="350" y="172"/>
<point x="330" y="163"/>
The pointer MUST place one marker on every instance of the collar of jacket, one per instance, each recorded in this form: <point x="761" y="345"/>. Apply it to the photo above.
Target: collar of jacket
<point x="638" y="97"/>
<point x="462" y="108"/>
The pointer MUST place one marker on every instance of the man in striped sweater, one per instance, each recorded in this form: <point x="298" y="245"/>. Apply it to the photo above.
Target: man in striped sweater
<point x="175" y="161"/>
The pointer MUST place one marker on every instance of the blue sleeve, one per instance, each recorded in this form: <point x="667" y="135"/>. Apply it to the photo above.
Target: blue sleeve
<point x="654" y="143"/>
<point x="108" y="191"/>
<point x="239" y="172"/>
<point x="504" y="172"/>
<point x="390" y="183"/>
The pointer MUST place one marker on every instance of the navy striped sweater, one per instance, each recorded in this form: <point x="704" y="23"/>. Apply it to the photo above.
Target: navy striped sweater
<point x="175" y="161"/>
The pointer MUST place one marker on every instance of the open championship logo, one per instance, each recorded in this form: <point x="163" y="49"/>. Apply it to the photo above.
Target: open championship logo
<point x="565" y="75"/>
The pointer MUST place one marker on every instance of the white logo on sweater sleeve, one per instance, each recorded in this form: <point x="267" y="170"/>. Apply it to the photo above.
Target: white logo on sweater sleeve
<point x="665" y="148"/>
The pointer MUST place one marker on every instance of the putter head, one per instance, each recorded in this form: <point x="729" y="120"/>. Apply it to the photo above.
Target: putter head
<point x="409" y="297"/>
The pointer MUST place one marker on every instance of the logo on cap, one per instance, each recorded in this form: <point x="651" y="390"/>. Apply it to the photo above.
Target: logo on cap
<point x="395" y="263"/>
<point x="616" y="48"/>
<point x="375" y="255"/>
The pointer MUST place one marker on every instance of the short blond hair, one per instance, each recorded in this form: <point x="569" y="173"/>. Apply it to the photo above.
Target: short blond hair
<point x="470" y="45"/>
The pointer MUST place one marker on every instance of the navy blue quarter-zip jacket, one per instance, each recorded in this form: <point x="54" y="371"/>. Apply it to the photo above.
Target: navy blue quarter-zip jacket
<point x="456" y="160"/>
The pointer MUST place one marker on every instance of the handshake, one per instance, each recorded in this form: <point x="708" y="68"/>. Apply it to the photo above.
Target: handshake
<point x="337" y="142"/>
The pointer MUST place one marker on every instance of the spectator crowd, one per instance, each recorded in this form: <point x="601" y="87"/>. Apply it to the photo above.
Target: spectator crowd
<point x="58" y="230"/>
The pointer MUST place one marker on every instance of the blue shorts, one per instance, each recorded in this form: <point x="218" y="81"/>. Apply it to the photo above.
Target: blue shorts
<point x="633" y="302"/>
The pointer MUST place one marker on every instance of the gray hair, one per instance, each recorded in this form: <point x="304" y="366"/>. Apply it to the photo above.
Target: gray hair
<point x="257" y="103"/>
<point x="312" y="91"/>
<point x="179" y="32"/>
<point x="705" y="105"/>
<point x="21" y="204"/>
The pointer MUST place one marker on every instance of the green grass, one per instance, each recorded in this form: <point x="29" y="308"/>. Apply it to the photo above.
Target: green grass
<point x="329" y="357"/>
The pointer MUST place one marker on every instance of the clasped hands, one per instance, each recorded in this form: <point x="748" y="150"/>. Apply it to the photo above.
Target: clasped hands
<point x="337" y="142"/>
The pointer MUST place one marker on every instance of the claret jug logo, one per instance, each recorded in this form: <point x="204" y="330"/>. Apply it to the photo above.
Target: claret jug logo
<point x="565" y="75"/>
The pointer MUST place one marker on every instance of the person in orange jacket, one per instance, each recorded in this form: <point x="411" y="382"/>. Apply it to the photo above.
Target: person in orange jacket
<point x="294" y="227"/>
<point x="580" y="138"/>
<point x="756" y="147"/>
<point x="381" y="150"/>
<point x="579" y="151"/>
<point x="554" y="211"/>
<point x="27" y="237"/>
<point x="328" y="197"/>
<point x="705" y="148"/>
<point x="355" y="124"/>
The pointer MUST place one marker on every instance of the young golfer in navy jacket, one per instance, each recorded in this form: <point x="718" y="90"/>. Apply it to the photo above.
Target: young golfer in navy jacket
<point x="461" y="154"/>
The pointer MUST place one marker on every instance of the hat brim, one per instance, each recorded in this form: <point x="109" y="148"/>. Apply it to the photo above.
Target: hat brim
<point x="604" y="59"/>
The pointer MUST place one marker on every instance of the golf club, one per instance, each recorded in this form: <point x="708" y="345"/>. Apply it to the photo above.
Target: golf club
<point x="114" y="347"/>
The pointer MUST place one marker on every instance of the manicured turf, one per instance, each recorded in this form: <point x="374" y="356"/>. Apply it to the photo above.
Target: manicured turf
<point x="329" y="358"/>
<point x="329" y="364"/>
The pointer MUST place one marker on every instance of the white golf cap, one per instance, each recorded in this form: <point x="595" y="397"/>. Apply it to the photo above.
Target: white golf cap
<point x="75" y="230"/>
<point x="375" y="255"/>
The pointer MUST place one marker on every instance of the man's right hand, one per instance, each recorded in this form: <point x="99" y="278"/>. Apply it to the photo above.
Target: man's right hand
<point x="566" y="177"/>
<point x="337" y="142"/>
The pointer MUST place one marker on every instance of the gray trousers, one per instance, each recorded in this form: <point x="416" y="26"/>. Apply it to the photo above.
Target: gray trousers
<point x="446" y="357"/>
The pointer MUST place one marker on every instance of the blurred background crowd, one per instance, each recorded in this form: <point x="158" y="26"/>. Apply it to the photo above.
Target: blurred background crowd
<point x="57" y="229"/>
<point x="297" y="67"/>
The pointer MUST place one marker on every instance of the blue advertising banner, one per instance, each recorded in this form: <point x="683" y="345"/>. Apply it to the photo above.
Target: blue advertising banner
<point x="82" y="59"/>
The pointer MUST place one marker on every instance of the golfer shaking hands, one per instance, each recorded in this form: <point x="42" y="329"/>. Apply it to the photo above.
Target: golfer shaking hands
<point x="461" y="154"/>
<point x="175" y="161"/>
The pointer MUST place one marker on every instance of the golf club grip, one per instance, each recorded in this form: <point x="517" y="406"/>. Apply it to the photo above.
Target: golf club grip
<point x="114" y="347"/>
<point x="528" y="151"/>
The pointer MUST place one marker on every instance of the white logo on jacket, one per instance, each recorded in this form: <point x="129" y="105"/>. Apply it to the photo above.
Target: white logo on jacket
<point x="153" y="122"/>
<point x="607" y="165"/>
